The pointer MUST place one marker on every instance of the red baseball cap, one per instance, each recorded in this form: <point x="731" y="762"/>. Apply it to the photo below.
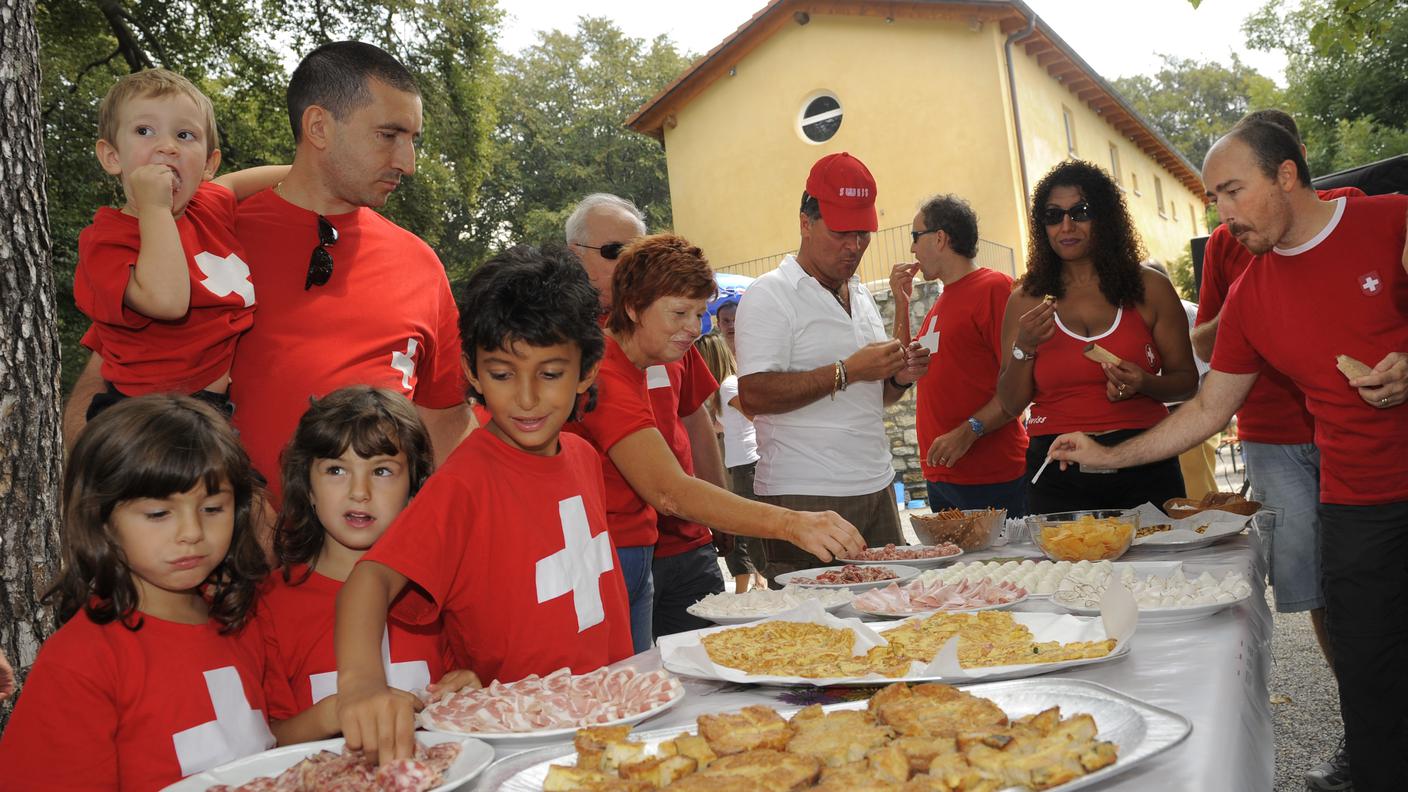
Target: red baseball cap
<point x="844" y="188"/>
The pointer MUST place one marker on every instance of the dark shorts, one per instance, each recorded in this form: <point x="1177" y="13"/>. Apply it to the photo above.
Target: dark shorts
<point x="1074" y="489"/>
<point x="874" y="515"/>
<point x="1364" y="574"/>
<point x="1009" y="495"/>
<point x="680" y="581"/>
<point x="748" y="555"/>
<point x="105" y="399"/>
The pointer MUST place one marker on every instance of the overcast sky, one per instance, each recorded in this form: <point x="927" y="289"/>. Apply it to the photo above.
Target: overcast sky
<point x="1119" y="38"/>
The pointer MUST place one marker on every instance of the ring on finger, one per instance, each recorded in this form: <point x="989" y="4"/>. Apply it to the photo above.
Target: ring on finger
<point x="1383" y="402"/>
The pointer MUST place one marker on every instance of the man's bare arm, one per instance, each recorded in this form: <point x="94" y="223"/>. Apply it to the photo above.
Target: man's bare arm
<point x="447" y="427"/>
<point x="88" y="385"/>
<point x="704" y="447"/>
<point x="1204" y="338"/>
<point x="772" y="392"/>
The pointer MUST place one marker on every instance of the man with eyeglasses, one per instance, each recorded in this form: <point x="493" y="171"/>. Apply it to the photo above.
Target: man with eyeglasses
<point x="682" y="567"/>
<point x="817" y="368"/>
<point x="972" y="453"/>
<point x="346" y="296"/>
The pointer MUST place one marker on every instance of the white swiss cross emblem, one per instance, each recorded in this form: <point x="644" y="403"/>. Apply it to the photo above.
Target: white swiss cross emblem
<point x="408" y="676"/>
<point x="237" y="730"/>
<point x="1370" y="283"/>
<point x="405" y="362"/>
<point x="930" y="339"/>
<point x="577" y="568"/>
<point x="225" y="275"/>
<point x="1149" y="354"/>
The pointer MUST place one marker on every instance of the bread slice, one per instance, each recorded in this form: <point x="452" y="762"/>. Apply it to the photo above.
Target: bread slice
<point x="1100" y="354"/>
<point x="1351" y="368"/>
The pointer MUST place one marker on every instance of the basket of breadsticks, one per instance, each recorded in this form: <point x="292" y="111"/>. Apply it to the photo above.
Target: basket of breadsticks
<point x="973" y="529"/>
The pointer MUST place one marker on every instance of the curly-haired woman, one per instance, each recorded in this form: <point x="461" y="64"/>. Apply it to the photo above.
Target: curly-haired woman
<point x="1084" y="286"/>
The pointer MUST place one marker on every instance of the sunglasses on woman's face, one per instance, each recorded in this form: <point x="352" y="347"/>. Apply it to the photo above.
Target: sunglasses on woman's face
<point x="609" y="251"/>
<point x="1055" y="215"/>
<point x="320" y="263"/>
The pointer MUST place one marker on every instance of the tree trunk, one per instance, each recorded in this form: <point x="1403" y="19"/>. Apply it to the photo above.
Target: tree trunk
<point x="29" y="354"/>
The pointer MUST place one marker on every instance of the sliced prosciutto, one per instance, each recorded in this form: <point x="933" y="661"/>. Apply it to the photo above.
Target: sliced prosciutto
<point x="921" y="596"/>
<point x="556" y="701"/>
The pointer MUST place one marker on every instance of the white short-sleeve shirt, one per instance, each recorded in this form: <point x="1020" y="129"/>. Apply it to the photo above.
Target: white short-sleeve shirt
<point x="740" y="439"/>
<point x="787" y="321"/>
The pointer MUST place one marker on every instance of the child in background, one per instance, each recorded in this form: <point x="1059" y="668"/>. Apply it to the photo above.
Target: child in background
<point x="357" y="457"/>
<point x="154" y="674"/>
<point x="164" y="279"/>
<point x="508" y="540"/>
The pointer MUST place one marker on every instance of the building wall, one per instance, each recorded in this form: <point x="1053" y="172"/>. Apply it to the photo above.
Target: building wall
<point x="1041" y="100"/>
<point x="737" y="163"/>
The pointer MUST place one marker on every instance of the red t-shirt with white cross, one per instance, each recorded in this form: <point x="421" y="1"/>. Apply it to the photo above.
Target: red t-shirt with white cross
<point x="385" y="318"/>
<point x="297" y="617"/>
<point x="106" y="707"/>
<point x="1344" y="292"/>
<point x="678" y="390"/>
<point x="623" y="407"/>
<point x="1274" y="411"/>
<point x="963" y="331"/>
<point x="513" y="550"/>
<point x="142" y="355"/>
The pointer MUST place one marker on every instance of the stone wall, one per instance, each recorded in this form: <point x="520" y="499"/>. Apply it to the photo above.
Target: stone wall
<point x="899" y="417"/>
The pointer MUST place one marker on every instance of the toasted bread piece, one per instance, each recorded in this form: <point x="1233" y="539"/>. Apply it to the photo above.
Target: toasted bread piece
<point x="1352" y="368"/>
<point x="921" y="751"/>
<point x="702" y="782"/>
<point x="1100" y="354"/>
<point x="837" y="738"/>
<point x="619" y="753"/>
<point x="889" y="763"/>
<point x="854" y="777"/>
<point x="691" y="745"/>
<point x="935" y="710"/>
<point x="658" y="771"/>
<point x="755" y="726"/>
<point x="777" y="771"/>
<point x="591" y="744"/>
<point x="575" y="779"/>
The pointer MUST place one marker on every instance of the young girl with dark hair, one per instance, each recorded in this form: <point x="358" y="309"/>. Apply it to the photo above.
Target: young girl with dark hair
<point x="356" y="459"/>
<point x="155" y="674"/>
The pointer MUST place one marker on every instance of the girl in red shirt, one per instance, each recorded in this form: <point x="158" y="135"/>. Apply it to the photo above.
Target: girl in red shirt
<point x="154" y="674"/>
<point x="356" y="459"/>
<point x="1083" y="286"/>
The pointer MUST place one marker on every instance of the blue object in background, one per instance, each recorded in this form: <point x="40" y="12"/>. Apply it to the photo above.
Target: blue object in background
<point x="899" y="494"/>
<point x="731" y="288"/>
<point x="916" y="504"/>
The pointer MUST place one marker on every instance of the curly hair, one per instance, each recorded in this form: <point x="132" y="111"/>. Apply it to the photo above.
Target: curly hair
<point x="152" y="447"/>
<point x="371" y="422"/>
<point x="1115" y="247"/>
<point x="656" y="266"/>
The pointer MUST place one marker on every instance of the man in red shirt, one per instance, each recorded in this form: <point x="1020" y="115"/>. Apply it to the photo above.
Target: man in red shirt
<point x="1330" y="279"/>
<point x="683" y="563"/>
<point x="346" y="296"/>
<point x="973" y="453"/>
<point x="1277" y="437"/>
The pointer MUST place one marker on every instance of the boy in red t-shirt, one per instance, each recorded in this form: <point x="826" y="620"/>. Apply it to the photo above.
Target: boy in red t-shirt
<point x="508" y="540"/>
<point x="163" y="279"/>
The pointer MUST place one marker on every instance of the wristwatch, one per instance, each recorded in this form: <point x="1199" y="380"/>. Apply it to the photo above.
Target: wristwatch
<point x="1020" y="355"/>
<point x="976" y="426"/>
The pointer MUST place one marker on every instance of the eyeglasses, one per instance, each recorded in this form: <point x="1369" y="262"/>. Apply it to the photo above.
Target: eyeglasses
<point x="1055" y="215"/>
<point x="914" y="235"/>
<point x="609" y="251"/>
<point x="320" y="263"/>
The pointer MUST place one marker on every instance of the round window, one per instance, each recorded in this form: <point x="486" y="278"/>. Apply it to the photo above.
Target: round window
<point x="820" y="118"/>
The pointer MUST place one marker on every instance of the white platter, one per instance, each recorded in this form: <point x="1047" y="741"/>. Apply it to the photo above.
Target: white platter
<point x="975" y="609"/>
<point x="553" y="735"/>
<point x="730" y="620"/>
<point x="918" y="563"/>
<point x="902" y="573"/>
<point x="1140" y="730"/>
<point x="1147" y="616"/>
<point x="474" y="757"/>
<point x="1187" y="539"/>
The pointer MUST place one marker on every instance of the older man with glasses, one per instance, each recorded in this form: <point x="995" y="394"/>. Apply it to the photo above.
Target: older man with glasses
<point x="682" y="566"/>
<point x="817" y="369"/>
<point x="345" y="295"/>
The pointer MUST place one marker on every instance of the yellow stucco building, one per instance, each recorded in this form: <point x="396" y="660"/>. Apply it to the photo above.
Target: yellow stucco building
<point x="978" y="98"/>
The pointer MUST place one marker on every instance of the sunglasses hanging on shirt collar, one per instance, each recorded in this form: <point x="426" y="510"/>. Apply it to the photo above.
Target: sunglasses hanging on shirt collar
<point x="320" y="263"/>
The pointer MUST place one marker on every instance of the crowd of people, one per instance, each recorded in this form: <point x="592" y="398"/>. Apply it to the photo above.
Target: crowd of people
<point x="281" y="515"/>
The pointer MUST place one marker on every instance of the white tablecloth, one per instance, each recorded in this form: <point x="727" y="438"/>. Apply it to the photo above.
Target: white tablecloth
<point x="1212" y="671"/>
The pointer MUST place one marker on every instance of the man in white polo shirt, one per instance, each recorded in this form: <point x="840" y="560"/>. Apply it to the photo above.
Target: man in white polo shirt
<point x="816" y="368"/>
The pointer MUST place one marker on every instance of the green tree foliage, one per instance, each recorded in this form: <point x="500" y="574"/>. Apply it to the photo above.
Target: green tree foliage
<point x="240" y="53"/>
<point x="560" y="134"/>
<point x="1350" y="96"/>
<point x="1193" y="103"/>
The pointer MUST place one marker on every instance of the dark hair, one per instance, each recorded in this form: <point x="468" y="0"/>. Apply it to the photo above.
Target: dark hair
<point x="656" y="266"/>
<point x="152" y="447"/>
<point x="334" y="76"/>
<point x="540" y="296"/>
<point x="371" y="422"/>
<point x="1272" y="145"/>
<point x="1273" y="116"/>
<point x="954" y="217"/>
<point x="811" y="207"/>
<point x="1115" y="247"/>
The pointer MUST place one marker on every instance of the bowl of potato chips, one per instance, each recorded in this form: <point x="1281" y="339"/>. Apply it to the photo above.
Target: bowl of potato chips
<point x="1102" y="535"/>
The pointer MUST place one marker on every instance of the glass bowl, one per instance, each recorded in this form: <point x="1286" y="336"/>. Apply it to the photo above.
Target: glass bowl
<point x="1094" y="535"/>
<point x="975" y="530"/>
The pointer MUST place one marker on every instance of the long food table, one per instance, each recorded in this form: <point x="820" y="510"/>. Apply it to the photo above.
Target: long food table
<point x="1212" y="671"/>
